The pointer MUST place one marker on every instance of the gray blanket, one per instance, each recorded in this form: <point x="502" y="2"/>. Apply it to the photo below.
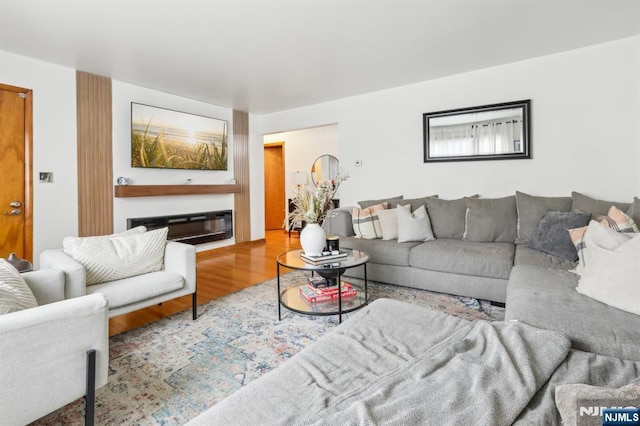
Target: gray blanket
<point x="396" y="363"/>
<point x="483" y="374"/>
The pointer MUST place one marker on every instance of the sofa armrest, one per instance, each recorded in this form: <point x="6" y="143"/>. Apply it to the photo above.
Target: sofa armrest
<point x="181" y="258"/>
<point x="74" y="273"/>
<point x="47" y="285"/>
<point x="43" y="352"/>
<point x="339" y="223"/>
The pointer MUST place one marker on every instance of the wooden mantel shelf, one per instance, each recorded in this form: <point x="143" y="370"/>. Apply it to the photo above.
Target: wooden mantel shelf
<point x="160" y="190"/>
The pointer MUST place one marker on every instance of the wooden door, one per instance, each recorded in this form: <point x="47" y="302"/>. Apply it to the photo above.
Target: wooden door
<point x="15" y="172"/>
<point x="274" y="196"/>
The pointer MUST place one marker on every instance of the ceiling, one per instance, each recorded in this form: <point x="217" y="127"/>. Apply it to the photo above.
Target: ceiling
<point x="264" y="56"/>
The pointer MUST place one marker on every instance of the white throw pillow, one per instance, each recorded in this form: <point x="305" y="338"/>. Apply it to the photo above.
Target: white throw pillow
<point x="611" y="268"/>
<point x="132" y="231"/>
<point x="389" y="223"/>
<point x="414" y="226"/>
<point x="15" y="294"/>
<point x="109" y="258"/>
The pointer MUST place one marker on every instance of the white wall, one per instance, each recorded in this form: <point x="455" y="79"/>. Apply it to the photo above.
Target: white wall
<point x="55" y="204"/>
<point x="585" y="136"/>
<point x="302" y="148"/>
<point x="54" y="150"/>
<point x="585" y="129"/>
<point x="123" y="94"/>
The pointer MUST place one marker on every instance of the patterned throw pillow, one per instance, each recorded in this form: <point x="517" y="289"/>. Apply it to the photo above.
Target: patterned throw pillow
<point x="615" y="219"/>
<point x="366" y="223"/>
<point x="108" y="259"/>
<point x="15" y="294"/>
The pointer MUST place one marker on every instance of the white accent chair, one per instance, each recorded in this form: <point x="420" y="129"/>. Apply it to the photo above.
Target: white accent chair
<point x="178" y="278"/>
<point x="52" y="354"/>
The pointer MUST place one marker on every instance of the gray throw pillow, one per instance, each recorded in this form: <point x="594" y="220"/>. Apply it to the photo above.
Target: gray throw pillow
<point x="583" y="203"/>
<point x="368" y="203"/>
<point x="447" y="217"/>
<point x="491" y="220"/>
<point x="552" y="234"/>
<point x="571" y="397"/>
<point x="413" y="226"/>
<point x="530" y="211"/>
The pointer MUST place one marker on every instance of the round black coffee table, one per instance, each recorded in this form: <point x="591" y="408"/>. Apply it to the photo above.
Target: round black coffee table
<point x="290" y="297"/>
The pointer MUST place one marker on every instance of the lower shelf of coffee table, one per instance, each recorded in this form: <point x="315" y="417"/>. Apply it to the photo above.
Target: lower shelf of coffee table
<point x="291" y="299"/>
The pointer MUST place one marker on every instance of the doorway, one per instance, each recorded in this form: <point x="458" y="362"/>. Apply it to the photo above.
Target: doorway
<point x="16" y="189"/>
<point x="274" y="193"/>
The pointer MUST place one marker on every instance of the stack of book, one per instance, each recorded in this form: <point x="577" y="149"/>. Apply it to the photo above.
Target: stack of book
<point x="317" y="291"/>
<point x="325" y="257"/>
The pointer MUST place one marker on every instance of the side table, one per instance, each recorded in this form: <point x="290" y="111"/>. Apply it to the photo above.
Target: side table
<point x="290" y="298"/>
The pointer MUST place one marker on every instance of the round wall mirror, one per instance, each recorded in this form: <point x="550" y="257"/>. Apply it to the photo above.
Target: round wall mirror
<point x="326" y="167"/>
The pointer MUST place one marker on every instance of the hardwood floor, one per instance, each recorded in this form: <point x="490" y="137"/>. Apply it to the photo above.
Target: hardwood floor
<point x="220" y="272"/>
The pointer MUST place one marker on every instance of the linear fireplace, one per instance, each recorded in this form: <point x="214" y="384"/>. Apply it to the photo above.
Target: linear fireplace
<point x="192" y="228"/>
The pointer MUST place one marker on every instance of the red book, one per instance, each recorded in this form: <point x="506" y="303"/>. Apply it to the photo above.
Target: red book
<point x="312" y="297"/>
<point x="329" y="290"/>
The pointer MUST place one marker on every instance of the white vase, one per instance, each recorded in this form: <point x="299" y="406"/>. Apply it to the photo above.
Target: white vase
<point x="312" y="239"/>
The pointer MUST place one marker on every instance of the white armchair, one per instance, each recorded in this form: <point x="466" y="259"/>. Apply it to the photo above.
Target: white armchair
<point x="52" y="354"/>
<point x="178" y="278"/>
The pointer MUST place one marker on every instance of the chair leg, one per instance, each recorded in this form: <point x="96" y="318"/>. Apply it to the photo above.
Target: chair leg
<point x="90" y="397"/>
<point x="194" y="306"/>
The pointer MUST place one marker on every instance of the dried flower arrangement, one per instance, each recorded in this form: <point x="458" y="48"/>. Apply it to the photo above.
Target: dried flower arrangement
<point x="314" y="206"/>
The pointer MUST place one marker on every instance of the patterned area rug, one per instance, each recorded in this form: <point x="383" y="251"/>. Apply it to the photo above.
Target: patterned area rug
<point x="168" y="372"/>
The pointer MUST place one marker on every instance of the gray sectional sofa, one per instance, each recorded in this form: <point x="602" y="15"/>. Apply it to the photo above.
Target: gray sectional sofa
<point x="483" y="250"/>
<point x="397" y="363"/>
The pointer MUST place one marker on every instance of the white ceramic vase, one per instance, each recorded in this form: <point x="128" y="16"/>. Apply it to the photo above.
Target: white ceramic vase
<point x="312" y="239"/>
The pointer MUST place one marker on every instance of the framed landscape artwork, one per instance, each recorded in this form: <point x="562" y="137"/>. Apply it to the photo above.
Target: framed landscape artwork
<point x="166" y="139"/>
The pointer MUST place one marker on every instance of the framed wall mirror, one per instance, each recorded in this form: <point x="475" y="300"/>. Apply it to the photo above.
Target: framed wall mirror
<point x="489" y="132"/>
<point x="326" y="167"/>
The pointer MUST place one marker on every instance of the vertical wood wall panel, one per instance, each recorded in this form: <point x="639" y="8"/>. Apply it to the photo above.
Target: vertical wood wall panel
<point x="242" y="219"/>
<point x="95" y="176"/>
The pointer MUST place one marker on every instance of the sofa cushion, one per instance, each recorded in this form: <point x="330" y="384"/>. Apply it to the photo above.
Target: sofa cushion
<point x="528" y="256"/>
<point x="339" y="222"/>
<point x="15" y="294"/>
<point x="447" y="217"/>
<point x="583" y="203"/>
<point x="368" y="203"/>
<point x="413" y="226"/>
<point x="611" y="268"/>
<point x="415" y="203"/>
<point x="116" y="257"/>
<point x="552" y="234"/>
<point x="492" y="260"/>
<point x="135" y="289"/>
<point x="547" y="298"/>
<point x="531" y="209"/>
<point x="491" y="219"/>
<point x="634" y="211"/>
<point x="366" y="223"/>
<point x="381" y="251"/>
